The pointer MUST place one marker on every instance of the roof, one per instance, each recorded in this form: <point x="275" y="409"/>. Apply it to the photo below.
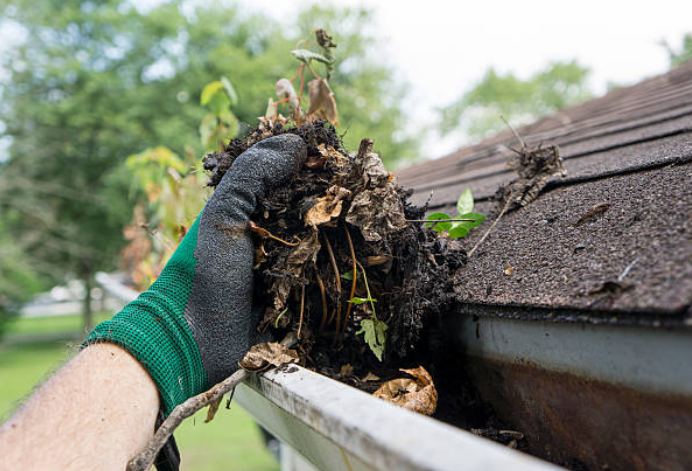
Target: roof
<point x="631" y="149"/>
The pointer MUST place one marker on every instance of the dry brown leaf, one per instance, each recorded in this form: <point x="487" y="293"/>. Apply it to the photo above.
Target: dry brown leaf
<point x="418" y="395"/>
<point x="328" y="207"/>
<point x="346" y="370"/>
<point x="370" y="377"/>
<point x="264" y="355"/>
<point x="322" y="103"/>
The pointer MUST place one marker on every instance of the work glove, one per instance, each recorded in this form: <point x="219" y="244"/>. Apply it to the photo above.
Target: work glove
<point x="195" y="323"/>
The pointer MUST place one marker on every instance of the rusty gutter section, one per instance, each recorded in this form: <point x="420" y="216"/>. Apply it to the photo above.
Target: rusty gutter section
<point x="596" y="397"/>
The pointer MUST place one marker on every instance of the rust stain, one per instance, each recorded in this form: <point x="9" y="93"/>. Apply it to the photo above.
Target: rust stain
<point x="585" y="423"/>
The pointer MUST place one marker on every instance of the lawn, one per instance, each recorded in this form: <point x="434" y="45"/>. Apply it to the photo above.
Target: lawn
<point x="231" y="442"/>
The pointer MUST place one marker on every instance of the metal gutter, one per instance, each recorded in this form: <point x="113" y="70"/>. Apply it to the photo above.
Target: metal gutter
<point x="596" y="396"/>
<point x="336" y="427"/>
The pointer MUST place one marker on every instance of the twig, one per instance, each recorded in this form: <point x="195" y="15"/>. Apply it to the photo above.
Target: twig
<point x="516" y="134"/>
<point x="353" y="283"/>
<point x="157" y="236"/>
<point x="434" y="221"/>
<point x="262" y="232"/>
<point x="146" y="457"/>
<point x="320" y="283"/>
<point x="302" y="309"/>
<point x="627" y="269"/>
<point x="489" y="230"/>
<point x="338" y="283"/>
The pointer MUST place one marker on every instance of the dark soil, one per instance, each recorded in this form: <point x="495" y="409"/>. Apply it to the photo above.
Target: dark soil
<point x="409" y="268"/>
<point x="410" y="271"/>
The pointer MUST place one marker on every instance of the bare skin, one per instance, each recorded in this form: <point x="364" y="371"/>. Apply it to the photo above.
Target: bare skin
<point x="96" y="412"/>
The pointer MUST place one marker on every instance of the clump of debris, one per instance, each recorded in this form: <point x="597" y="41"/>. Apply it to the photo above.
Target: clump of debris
<point x="337" y="256"/>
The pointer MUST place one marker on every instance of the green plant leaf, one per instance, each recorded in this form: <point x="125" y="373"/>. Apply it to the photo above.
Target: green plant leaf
<point x="479" y="218"/>
<point x="209" y="91"/>
<point x="465" y="202"/>
<point x="356" y="300"/>
<point x="306" y="56"/>
<point x="349" y="275"/>
<point x="230" y="91"/>
<point x="375" y="335"/>
<point x="440" y="226"/>
<point x="458" y="232"/>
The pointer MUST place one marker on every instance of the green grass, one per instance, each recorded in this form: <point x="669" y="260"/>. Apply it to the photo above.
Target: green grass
<point x="230" y="442"/>
<point x="53" y="324"/>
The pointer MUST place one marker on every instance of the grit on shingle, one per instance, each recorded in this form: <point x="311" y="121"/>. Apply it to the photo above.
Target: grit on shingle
<point x="631" y="149"/>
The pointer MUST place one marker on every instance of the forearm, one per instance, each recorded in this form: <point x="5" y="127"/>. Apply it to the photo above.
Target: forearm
<point x="95" y="413"/>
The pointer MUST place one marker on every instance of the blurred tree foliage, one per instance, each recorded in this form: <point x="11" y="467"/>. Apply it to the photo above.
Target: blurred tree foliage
<point x="679" y="56"/>
<point x="92" y="82"/>
<point x="477" y="112"/>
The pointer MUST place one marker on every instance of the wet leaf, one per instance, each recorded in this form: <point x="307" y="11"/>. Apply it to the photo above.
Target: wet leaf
<point x="374" y="333"/>
<point x="264" y="355"/>
<point x="322" y="102"/>
<point x="465" y="202"/>
<point x="418" y="394"/>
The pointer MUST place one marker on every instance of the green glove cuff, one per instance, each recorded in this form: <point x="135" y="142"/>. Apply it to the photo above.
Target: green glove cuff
<point x="153" y="330"/>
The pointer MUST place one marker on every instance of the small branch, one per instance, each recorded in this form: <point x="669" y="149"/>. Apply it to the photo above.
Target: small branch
<point x="489" y="230"/>
<point x="146" y="457"/>
<point x="516" y="134"/>
<point x="353" y="283"/>
<point x="338" y="282"/>
<point x="435" y="221"/>
<point x="265" y="234"/>
<point x="302" y="309"/>
<point x="320" y="283"/>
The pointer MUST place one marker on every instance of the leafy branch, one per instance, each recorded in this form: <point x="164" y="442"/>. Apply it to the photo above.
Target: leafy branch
<point x="374" y="330"/>
<point x="458" y="226"/>
<point x="322" y="102"/>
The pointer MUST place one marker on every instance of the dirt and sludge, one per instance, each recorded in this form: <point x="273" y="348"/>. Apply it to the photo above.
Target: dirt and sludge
<point x="343" y="260"/>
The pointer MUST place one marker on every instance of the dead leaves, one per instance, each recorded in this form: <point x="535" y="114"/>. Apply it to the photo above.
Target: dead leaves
<point x="328" y="207"/>
<point x="264" y="355"/>
<point x="417" y="395"/>
<point x="534" y="166"/>
<point x="322" y="102"/>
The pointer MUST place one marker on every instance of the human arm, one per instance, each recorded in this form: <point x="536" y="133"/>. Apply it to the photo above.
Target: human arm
<point x="99" y="408"/>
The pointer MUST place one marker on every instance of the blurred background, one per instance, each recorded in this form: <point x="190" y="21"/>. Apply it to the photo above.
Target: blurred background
<point x="107" y="106"/>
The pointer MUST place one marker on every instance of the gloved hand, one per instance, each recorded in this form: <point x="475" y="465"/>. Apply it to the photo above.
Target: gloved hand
<point x="194" y="324"/>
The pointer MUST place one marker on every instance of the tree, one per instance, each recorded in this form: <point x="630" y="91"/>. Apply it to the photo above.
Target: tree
<point x="94" y="82"/>
<point x="684" y="54"/>
<point x="477" y="112"/>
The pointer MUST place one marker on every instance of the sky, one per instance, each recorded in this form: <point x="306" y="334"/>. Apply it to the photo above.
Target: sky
<point x="441" y="48"/>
